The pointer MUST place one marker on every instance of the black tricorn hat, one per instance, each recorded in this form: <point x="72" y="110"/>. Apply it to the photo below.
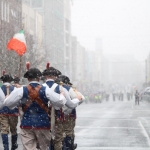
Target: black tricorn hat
<point x="33" y="73"/>
<point x="58" y="73"/>
<point x="69" y="83"/>
<point x="64" y="79"/>
<point x="6" y="78"/>
<point x="16" y="80"/>
<point x="57" y="81"/>
<point x="43" y="78"/>
<point x="51" y="71"/>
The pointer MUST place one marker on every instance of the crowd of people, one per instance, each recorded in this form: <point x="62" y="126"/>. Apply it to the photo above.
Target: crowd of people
<point x="113" y="92"/>
<point x="47" y="111"/>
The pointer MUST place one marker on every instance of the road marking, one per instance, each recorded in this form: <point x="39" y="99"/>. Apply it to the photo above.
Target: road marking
<point x="80" y="127"/>
<point x="123" y="112"/>
<point x="146" y="134"/>
<point x="132" y="106"/>
<point x="143" y="119"/>
<point x="91" y="118"/>
<point x="141" y="110"/>
<point x="113" y="148"/>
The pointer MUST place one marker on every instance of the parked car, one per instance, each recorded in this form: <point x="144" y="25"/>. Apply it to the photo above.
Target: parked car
<point x="145" y="94"/>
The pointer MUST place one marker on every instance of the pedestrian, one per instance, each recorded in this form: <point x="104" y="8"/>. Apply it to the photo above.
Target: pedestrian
<point x="8" y="118"/>
<point x="35" y="124"/>
<point x="137" y="97"/>
<point x="96" y="98"/>
<point x="86" y="98"/>
<point x="100" y="97"/>
<point x="51" y="74"/>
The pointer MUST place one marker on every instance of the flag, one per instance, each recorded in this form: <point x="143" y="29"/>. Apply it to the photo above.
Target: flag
<point x="18" y="43"/>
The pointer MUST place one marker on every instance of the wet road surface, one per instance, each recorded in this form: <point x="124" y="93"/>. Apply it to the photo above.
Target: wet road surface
<point x="112" y="125"/>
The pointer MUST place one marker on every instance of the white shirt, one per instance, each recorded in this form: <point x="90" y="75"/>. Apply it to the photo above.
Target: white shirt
<point x="2" y="97"/>
<point x="73" y="95"/>
<point x="69" y="103"/>
<point x="17" y="94"/>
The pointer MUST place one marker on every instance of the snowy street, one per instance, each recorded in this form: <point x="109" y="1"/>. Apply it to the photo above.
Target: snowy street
<point x="118" y="125"/>
<point x="112" y="125"/>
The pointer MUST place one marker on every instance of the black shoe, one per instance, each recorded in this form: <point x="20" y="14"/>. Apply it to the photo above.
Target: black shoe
<point x="14" y="147"/>
<point x="14" y="142"/>
<point x="75" y="145"/>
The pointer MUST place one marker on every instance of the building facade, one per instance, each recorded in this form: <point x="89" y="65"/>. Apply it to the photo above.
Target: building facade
<point x="54" y="32"/>
<point x="147" y="70"/>
<point x="122" y="69"/>
<point x="53" y="26"/>
<point x="67" y="34"/>
<point x="10" y="23"/>
<point x="32" y="25"/>
<point x="78" y="62"/>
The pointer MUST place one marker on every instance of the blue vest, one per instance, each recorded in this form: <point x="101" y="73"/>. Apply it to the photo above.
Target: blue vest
<point x="73" y="113"/>
<point x="50" y="84"/>
<point x="66" y="87"/>
<point x="35" y="117"/>
<point x="6" y="110"/>
<point x="58" y="113"/>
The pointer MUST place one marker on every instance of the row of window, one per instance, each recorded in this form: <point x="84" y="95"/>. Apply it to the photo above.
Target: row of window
<point x="37" y="3"/>
<point x="6" y="10"/>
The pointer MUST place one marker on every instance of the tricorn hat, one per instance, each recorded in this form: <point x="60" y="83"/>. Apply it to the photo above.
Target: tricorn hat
<point x="33" y="73"/>
<point x="6" y="78"/>
<point x="16" y="79"/>
<point x="57" y="81"/>
<point x="69" y="83"/>
<point x="64" y="79"/>
<point x="51" y="71"/>
<point x="58" y="73"/>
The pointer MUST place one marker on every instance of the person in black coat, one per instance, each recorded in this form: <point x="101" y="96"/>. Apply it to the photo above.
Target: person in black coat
<point x="137" y="97"/>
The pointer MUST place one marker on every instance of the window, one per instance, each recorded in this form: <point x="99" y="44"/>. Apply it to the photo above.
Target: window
<point x="32" y="24"/>
<point x="27" y="1"/>
<point x="8" y="12"/>
<point x="67" y="52"/>
<point x="67" y="38"/>
<point x="67" y="25"/>
<point x="2" y="10"/>
<point x="37" y="3"/>
<point x="5" y="9"/>
<point x="14" y="13"/>
<point x="36" y="25"/>
<point x="0" y="45"/>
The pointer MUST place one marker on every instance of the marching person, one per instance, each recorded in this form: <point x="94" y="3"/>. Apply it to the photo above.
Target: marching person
<point x="16" y="82"/>
<point x="18" y="85"/>
<point x="35" y="124"/>
<point x="8" y="118"/>
<point x="70" y="115"/>
<point x="51" y="75"/>
<point x="72" y="119"/>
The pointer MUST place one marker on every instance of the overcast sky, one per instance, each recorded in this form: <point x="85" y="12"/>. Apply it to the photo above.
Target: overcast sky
<point x="124" y="25"/>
